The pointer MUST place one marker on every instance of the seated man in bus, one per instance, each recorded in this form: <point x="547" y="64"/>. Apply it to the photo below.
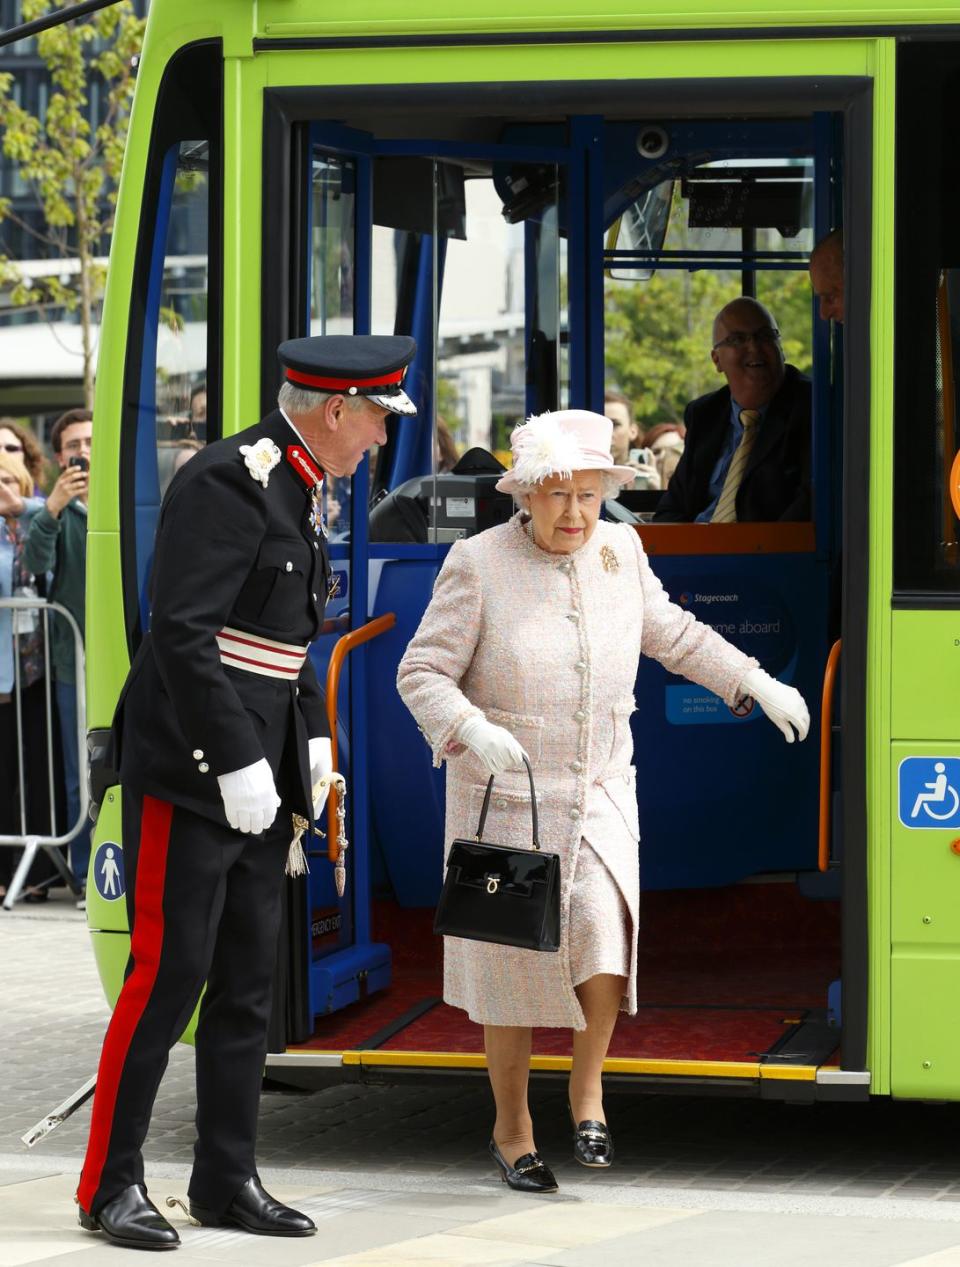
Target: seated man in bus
<point x="747" y="454"/>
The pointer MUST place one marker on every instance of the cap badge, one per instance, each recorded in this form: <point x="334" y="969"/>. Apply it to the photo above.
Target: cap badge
<point x="261" y="458"/>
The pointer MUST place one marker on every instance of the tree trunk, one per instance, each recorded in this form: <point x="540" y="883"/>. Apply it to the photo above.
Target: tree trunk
<point x="86" y="303"/>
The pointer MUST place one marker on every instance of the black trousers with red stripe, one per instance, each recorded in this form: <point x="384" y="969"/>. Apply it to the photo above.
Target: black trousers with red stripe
<point x="204" y="906"/>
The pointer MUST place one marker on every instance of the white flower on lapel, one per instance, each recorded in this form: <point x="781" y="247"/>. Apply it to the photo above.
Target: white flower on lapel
<point x="261" y="458"/>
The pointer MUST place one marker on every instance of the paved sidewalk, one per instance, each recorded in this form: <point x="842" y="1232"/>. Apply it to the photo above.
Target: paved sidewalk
<point x="399" y="1175"/>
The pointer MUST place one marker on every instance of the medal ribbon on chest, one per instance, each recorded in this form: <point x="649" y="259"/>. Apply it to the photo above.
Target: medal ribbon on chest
<point x="312" y="476"/>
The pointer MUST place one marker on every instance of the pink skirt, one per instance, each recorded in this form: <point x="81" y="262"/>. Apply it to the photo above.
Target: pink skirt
<point x="599" y="921"/>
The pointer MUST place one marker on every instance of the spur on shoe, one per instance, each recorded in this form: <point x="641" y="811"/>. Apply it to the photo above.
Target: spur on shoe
<point x="254" y="1210"/>
<point x="592" y="1142"/>
<point x="529" y="1173"/>
<point x="132" y="1220"/>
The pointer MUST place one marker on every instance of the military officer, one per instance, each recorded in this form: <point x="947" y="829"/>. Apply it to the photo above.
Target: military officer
<point x="221" y="737"/>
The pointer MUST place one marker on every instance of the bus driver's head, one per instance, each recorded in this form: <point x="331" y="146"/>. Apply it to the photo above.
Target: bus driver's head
<point x="746" y="350"/>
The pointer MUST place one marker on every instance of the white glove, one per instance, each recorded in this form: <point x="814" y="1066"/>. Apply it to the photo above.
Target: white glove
<point x="783" y="704"/>
<point x="321" y="767"/>
<point x="250" y="799"/>
<point x="496" y="747"/>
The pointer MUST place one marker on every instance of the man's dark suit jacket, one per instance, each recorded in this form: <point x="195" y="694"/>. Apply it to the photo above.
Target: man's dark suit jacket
<point x="228" y="552"/>
<point x="776" y="483"/>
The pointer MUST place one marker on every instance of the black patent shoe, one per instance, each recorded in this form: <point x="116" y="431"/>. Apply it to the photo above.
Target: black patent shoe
<point x="132" y="1220"/>
<point x="254" y="1210"/>
<point x="592" y="1142"/>
<point x="529" y="1173"/>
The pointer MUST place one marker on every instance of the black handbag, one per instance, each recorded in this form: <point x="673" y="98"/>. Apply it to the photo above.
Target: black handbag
<point x="500" y="894"/>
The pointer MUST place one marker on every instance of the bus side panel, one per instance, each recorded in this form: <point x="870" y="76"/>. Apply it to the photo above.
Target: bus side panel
<point x="925" y="987"/>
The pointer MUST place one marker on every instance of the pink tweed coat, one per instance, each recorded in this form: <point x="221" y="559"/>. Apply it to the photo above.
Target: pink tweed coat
<point x="548" y="646"/>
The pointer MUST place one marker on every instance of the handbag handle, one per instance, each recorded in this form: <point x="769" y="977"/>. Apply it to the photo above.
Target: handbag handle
<point x="533" y="807"/>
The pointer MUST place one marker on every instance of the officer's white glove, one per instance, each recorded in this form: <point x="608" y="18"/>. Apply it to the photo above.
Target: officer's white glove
<point x="783" y="704"/>
<point x="496" y="747"/>
<point x="321" y="767"/>
<point x="250" y="799"/>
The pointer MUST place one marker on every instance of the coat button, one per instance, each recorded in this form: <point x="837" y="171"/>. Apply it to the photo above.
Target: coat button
<point x="198" y="754"/>
<point x="564" y="567"/>
<point x="581" y="666"/>
<point x="574" y="813"/>
<point x="314" y="597"/>
<point x="576" y="766"/>
<point x="315" y="546"/>
<point x="288" y="566"/>
<point x="579" y="715"/>
<point x="203" y="767"/>
<point x="574" y="616"/>
<point x="501" y="804"/>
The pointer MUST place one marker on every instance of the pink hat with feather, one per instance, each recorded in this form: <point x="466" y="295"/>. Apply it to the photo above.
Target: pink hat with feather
<point x="559" y="444"/>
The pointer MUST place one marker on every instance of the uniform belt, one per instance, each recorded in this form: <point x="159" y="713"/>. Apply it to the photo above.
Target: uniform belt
<point x="256" y="654"/>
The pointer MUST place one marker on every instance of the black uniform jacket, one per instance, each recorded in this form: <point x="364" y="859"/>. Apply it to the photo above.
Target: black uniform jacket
<point x="776" y="483"/>
<point x="228" y="552"/>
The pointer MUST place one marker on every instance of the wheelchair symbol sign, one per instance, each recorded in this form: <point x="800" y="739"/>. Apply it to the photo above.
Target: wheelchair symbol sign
<point x="930" y="792"/>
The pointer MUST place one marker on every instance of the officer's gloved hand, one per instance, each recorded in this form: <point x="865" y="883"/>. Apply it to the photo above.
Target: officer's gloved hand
<point x="321" y="767"/>
<point x="250" y="799"/>
<point x="496" y="747"/>
<point x="783" y="704"/>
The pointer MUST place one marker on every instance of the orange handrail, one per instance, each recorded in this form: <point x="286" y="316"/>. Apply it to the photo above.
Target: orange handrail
<point x="342" y="648"/>
<point x="826" y="721"/>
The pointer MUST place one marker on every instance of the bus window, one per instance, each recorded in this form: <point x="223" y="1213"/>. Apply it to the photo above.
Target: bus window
<point x="172" y="375"/>
<point x="927" y="419"/>
<point x="181" y="370"/>
<point x="332" y="244"/>
<point x="331" y="294"/>
<point x="735" y="227"/>
<point x="490" y="279"/>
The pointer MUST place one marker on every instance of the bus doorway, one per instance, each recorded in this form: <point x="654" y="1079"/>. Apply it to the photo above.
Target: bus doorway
<point x="540" y="262"/>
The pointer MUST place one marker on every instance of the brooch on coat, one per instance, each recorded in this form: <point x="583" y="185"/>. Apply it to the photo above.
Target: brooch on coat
<point x="609" y="560"/>
<point x="261" y="458"/>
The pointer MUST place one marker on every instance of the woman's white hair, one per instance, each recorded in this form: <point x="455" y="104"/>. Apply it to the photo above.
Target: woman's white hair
<point x="301" y="400"/>
<point x="610" y="486"/>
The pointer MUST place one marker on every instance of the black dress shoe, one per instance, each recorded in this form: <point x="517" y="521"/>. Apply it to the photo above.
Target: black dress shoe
<point x="256" y="1211"/>
<point x="592" y="1142"/>
<point x="132" y="1220"/>
<point x="529" y="1173"/>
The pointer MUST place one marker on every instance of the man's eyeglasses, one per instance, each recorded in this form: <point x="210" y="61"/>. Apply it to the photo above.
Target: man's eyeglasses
<point x="740" y="338"/>
<point x="12" y="448"/>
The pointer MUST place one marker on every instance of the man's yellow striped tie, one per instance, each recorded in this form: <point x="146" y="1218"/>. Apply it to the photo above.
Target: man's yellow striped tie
<point x="726" y="511"/>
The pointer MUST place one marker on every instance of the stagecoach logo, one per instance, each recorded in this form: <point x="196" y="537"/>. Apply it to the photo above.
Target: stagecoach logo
<point x="930" y="792"/>
<point x="108" y="871"/>
<point x="325" y="927"/>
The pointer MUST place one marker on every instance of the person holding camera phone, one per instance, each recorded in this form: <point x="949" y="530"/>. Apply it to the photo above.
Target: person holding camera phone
<point x="626" y="437"/>
<point x="56" y="542"/>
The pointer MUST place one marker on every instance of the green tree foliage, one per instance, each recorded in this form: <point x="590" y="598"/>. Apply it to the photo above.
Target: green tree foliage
<point x="74" y="170"/>
<point x="659" y="332"/>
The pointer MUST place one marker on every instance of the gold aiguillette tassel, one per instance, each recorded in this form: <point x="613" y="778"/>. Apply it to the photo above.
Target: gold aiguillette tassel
<point x="296" y="858"/>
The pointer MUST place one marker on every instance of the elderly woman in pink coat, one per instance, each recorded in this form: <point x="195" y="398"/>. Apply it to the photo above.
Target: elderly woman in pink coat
<point x="530" y="646"/>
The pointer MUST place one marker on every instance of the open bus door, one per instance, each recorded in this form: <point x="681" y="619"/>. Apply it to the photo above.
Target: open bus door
<point x="740" y="954"/>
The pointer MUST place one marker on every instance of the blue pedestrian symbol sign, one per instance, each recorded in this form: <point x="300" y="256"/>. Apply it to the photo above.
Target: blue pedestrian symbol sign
<point x="108" y="871"/>
<point x="930" y="792"/>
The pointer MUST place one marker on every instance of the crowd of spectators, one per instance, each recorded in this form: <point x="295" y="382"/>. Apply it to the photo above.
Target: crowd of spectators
<point x="43" y="546"/>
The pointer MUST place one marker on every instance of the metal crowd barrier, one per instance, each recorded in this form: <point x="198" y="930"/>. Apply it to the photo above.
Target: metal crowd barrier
<point x="29" y="842"/>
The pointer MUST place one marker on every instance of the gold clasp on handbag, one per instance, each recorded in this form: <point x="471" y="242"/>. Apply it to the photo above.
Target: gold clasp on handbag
<point x="493" y="883"/>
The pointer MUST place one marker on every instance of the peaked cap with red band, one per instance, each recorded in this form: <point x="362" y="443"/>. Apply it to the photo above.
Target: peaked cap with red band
<point x="370" y="365"/>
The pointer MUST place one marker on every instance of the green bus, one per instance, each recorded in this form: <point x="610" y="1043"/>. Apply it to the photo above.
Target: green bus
<point x="556" y="202"/>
